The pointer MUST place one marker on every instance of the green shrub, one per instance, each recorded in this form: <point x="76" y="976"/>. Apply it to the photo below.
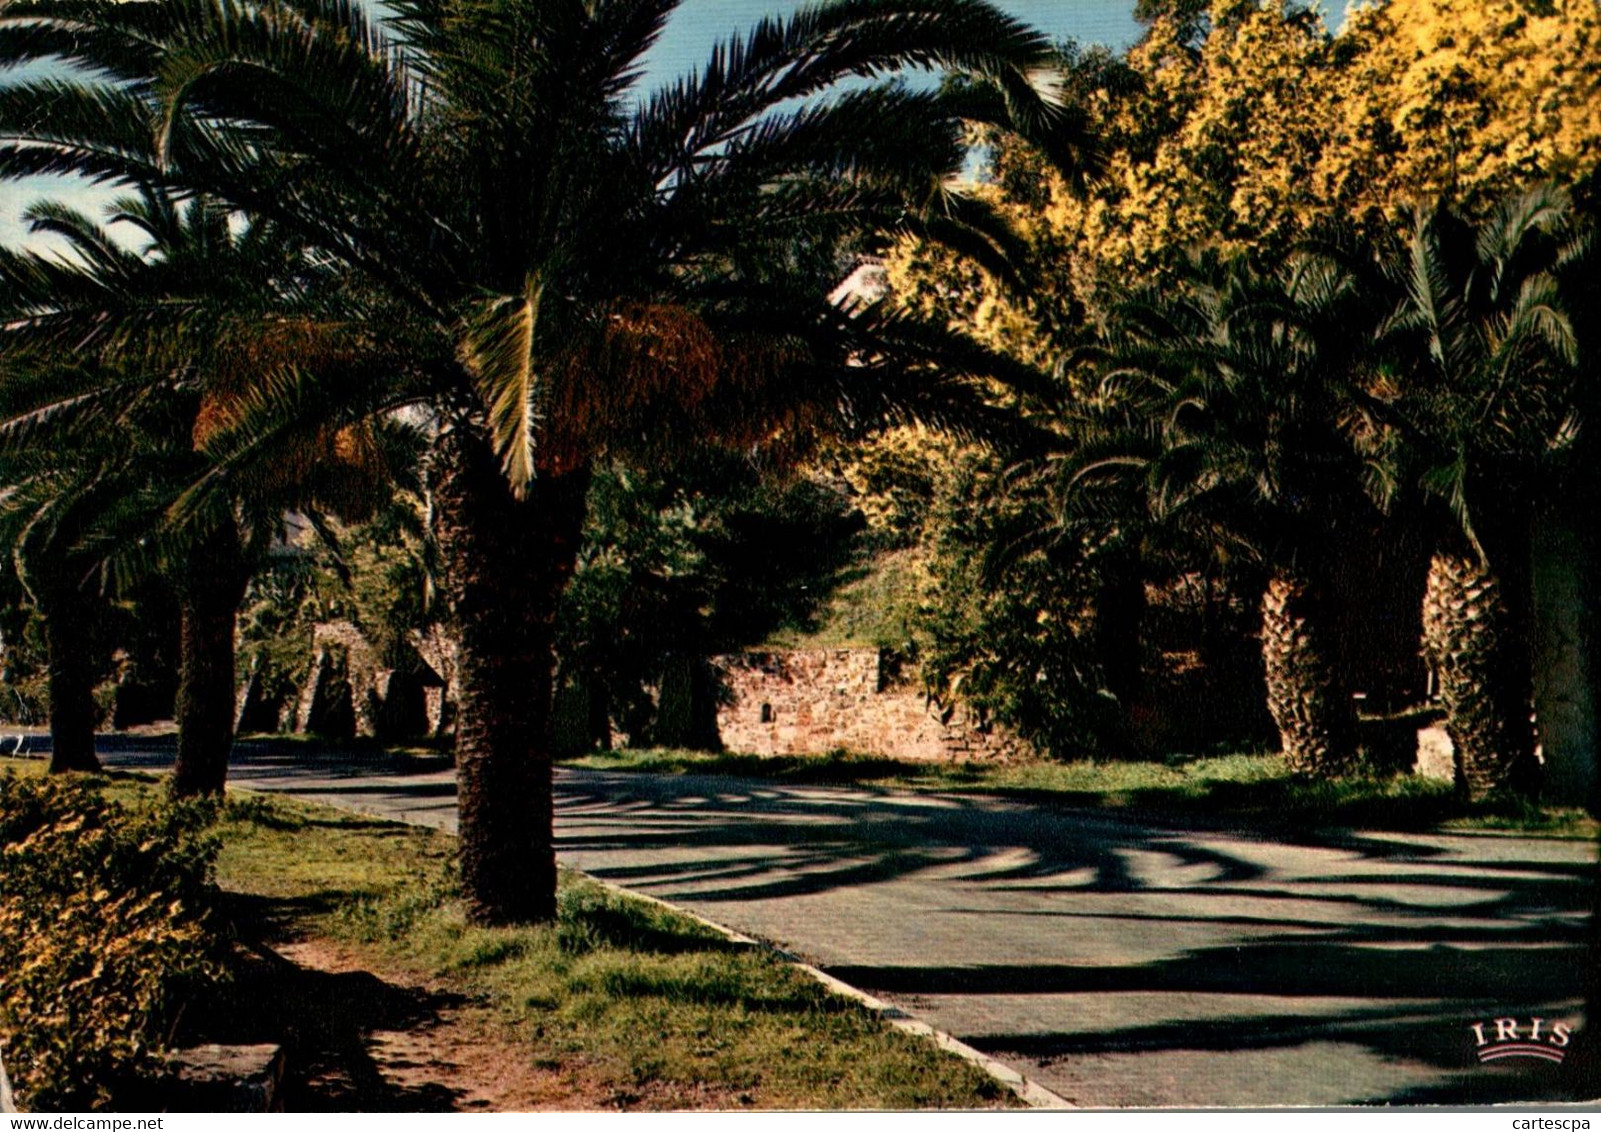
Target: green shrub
<point x="102" y="934"/>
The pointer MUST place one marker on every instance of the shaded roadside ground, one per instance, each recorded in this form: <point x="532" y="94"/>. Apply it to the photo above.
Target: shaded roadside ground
<point x="363" y="1044"/>
<point x="366" y="1037"/>
<point x="1117" y="963"/>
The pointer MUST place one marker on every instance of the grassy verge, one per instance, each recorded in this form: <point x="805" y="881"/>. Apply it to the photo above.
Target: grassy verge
<point x="1236" y="789"/>
<point x="621" y="1003"/>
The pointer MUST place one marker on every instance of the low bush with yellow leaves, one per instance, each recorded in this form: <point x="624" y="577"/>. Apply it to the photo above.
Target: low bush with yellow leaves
<point x="103" y="934"/>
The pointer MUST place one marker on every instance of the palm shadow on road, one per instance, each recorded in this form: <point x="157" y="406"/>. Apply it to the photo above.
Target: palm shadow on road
<point x="1410" y="939"/>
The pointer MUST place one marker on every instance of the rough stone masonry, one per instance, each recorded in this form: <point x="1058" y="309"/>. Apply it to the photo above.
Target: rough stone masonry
<point x="812" y="701"/>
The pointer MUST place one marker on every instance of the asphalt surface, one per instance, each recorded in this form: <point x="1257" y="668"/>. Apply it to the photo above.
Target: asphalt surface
<point x="1117" y="963"/>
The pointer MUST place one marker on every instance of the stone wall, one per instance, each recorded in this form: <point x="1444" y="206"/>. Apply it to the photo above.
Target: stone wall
<point x="812" y="701"/>
<point x="340" y="693"/>
<point x="436" y="649"/>
<point x="349" y="690"/>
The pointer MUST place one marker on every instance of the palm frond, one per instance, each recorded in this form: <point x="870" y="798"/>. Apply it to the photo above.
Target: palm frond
<point x="780" y="60"/>
<point x="498" y="349"/>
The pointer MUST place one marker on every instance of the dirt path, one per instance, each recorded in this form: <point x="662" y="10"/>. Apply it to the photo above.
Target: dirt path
<point x="390" y="1041"/>
<point x="366" y="1035"/>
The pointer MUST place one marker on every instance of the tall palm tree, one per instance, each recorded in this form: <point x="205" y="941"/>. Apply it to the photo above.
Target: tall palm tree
<point x="60" y="500"/>
<point x="583" y="270"/>
<point x="178" y="331"/>
<point x="1223" y="399"/>
<point x="1482" y="363"/>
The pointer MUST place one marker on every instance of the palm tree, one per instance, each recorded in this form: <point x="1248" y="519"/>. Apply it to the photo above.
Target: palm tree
<point x="58" y="503"/>
<point x="582" y="271"/>
<point x="1223" y="400"/>
<point x="178" y="332"/>
<point x="1482" y="358"/>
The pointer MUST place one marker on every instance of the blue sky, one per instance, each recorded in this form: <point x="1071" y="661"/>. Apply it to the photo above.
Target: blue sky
<point x="700" y="23"/>
<point x="690" y="34"/>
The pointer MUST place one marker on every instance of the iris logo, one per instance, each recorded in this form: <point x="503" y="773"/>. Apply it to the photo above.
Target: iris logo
<point x="1501" y="1038"/>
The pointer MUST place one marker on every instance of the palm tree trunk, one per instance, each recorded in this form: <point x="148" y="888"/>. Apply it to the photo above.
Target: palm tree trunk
<point x="507" y="563"/>
<point x="67" y="629"/>
<point x="208" y="610"/>
<point x="1475" y="634"/>
<point x="1306" y="695"/>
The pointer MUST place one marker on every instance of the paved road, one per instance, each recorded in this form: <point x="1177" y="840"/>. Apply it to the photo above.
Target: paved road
<point x="1117" y="963"/>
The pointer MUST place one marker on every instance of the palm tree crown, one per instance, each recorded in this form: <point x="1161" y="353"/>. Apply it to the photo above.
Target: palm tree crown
<point x="489" y="164"/>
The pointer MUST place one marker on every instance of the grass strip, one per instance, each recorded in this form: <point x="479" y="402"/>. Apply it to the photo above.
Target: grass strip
<point x="1234" y="790"/>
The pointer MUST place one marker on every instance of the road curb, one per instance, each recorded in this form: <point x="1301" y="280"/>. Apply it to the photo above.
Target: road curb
<point x="1032" y="1093"/>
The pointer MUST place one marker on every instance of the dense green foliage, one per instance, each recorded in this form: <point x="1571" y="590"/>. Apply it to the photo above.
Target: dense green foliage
<point x="102" y="935"/>
<point x="1241" y="429"/>
<point x="1008" y="615"/>
<point x="380" y="575"/>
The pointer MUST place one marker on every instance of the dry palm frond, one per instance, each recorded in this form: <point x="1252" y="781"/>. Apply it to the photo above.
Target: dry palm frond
<point x="246" y="350"/>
